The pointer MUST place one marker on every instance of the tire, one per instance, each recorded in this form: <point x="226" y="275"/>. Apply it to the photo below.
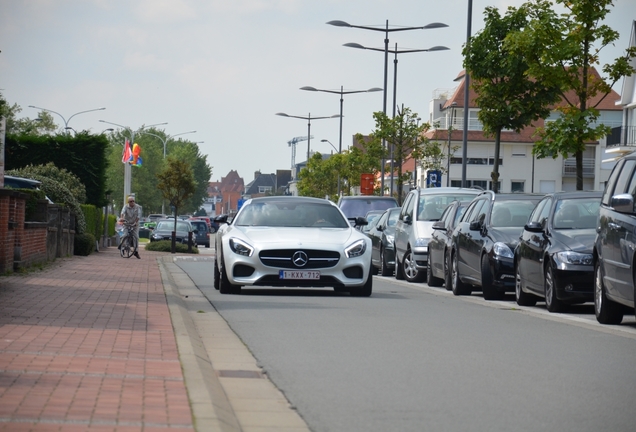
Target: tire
<point x="431" y="280"/>
<point x="217" y="275"/>
<point x="487" y="288"/>
<point x="552" y="303"/>
<point x="225" y="287"/>
<point x="384" y="268"/>
<point x="399" y="272"/>
<point x="448" y="281"/>
<point x="411" y="274"/>
<point x="607" y="311"/>
<point x="522" y="297"/>
<point x="363" y="290"/>
<point x="458" y="287"/>
<point x="127" y="247"/>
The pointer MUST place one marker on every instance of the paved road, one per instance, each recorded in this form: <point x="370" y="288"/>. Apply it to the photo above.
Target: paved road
<point x="417" y="358"/>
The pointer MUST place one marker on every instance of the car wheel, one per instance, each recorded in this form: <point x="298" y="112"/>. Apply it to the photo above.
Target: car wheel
<point x="487" y="288"/>
<point x="552" y="303"/>
<point x="607" y="311"/>
<point x="217" y="275"/>
<point x="448" y="280"/>
<point x="430" y="279"/>
<point x="411" y="273"/>
<point x="384" y="268"/>
<point x="363" y="290"/>
<point x="225" y="287"/>
<point x="458" y="287"/>
<point x="522" y="297"/>
<point x="399" y="272"/>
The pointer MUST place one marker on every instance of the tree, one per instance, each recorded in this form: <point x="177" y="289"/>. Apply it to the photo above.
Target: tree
<point x="405" y="135"/>
<point x="506" y="97"/>
<point x="561" y="51"/>
<point x="44" y="124"/>
<point x="177" y="185"/>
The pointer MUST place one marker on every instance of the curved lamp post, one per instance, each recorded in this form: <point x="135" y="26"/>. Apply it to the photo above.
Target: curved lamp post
<point x="327" y="141"/>
<point x="341" y="92"/>
<point x="309" y="118"/>
<point x="395" y="63"/>
<point x="69" y="119"/>
<point x="386" y="31"/>
<point x="127" y="167"/>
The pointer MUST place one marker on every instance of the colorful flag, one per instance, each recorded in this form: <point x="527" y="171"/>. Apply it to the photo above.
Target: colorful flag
<point x="127" y="154"/>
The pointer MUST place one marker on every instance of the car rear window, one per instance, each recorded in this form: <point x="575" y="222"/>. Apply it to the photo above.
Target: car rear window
<point x="360" y="207"/>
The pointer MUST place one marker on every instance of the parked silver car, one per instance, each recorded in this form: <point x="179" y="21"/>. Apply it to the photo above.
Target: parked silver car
<point x="421" y="208"/>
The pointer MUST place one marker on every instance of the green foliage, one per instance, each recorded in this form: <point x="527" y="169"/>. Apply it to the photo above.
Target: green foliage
<point x="31" y="204"/>
<point x="16" y="126"/>
<point x="200" y="212"/>
<point x="94" y="220"/>
<point x="82" y="155"/>
<point x="562" y="51"/>
<point x="59" y="194"/>
<point x="84" y="244"/>
<point x="166" y="246"/>
<point x="68" y="179"/>
<point x="112" y="221"/>
<point x="506" y="97"/>
<point x="176" y="183"/>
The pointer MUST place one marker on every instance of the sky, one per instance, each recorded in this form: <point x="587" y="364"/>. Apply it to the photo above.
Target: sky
<point x="225" y="68"/>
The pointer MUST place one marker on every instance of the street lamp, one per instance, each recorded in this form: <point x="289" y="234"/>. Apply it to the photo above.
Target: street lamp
<point x="386" y="31"/>
<point x="342" y="92"/>
<point x="69" y="119"/>
<point x="309" y="118"/>
<point x="327" y="141"/>
<point x="466" y="98"/>
<point x="127" y="167"/>
<point x="450" y="131"/>
<point x="395" y="63"/>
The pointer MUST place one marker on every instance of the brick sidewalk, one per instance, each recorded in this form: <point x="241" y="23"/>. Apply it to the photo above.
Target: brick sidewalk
<point x="88" y="345"/>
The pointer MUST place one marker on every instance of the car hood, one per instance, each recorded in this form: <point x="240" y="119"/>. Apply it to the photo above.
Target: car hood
<point x="578" y="240"/>
<point x="298" y="236"/>
<point x="507" y="235"/>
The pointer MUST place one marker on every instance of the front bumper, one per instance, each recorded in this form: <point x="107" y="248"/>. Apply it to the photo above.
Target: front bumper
<point x="574" y="286"/>
<point x="503" y="274"/>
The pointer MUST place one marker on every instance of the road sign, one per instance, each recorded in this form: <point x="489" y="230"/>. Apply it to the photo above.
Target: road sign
<point x="434" y="179"/>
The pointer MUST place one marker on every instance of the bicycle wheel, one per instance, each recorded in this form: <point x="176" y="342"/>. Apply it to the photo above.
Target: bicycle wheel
<point x="126" y="247"/>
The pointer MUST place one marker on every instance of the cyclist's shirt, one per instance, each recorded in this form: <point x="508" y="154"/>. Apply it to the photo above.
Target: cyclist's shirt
<point x="131" y="214"/>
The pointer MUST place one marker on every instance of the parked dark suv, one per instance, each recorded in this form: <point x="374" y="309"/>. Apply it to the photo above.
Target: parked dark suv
<point x="615" y="245"/>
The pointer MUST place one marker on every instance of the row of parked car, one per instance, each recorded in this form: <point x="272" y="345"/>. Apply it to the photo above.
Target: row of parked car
<point x="562" y="248"/>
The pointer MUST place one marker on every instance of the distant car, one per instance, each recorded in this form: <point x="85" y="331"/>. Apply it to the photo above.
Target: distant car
<point x="202" y="232"/>
<point x="212" y="225"/>
<point x="381" y="234"/>
<point x="439" y="246"/>
<point x="370" y="217"/>
<point x="615" y="246"/>
<point x="553" y="259"/>
<point x="484" y="240"/>
<point x="291" y="241"/>
<point x="421" y="208"/>
<point x="156" y="217"/>
<point x="359" y="205"/>
<point x="164" y="228"/>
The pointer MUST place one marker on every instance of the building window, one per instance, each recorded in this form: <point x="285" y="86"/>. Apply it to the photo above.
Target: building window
<point x="518" y="152"/>
<point x="517" y="186"/>
<point x="481" y="184"/>
<point x="264" y="189"/>
<point x="476" y="161"/>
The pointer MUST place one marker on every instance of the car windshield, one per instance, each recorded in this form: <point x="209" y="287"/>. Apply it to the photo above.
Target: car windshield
<point x="511" y="213"/>
<point x="431" y="207"/>
<point x="580" y="213"/>
<point x="169" y="226"/>
<point x="287" y="214"/>
<point x="360" y="206"/>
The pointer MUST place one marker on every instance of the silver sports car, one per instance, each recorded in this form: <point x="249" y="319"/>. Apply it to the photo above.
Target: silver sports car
<point x="290" y="241"/>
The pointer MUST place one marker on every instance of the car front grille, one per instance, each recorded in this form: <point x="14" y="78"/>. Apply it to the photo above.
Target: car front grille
<point x="284" y="258"/>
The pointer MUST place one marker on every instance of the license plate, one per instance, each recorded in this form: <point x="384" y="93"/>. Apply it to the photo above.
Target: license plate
<point x="300" y="275"/>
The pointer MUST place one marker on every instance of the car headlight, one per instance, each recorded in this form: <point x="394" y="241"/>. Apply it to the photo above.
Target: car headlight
<point x="240" y="247"/>
<point x="502" y="250"/>
<point x="421" y="242"/>
<point x="356" y="249"/>
<point x="570" y="257"/>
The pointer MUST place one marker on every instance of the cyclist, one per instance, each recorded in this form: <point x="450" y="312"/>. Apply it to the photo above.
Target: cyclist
<point x="130" y="216"/>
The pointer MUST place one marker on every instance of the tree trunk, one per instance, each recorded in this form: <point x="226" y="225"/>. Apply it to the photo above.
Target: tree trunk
<point x="579" y="170"/>
<point x="494" y="175"/>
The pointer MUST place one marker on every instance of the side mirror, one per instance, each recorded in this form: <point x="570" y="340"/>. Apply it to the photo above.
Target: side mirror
<point x="361" y="221"/>
<point x="221" y="219"/>
<point x="475" y="225"/>
<point x="533" y="227"/>
<point x="407" y="219"/>
<point x="623" y="203"/>
<point x="439" y="225"/>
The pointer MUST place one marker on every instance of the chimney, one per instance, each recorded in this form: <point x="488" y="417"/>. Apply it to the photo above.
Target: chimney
<point x="256" y="174"/>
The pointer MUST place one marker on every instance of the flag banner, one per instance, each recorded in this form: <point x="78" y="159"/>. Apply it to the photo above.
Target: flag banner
<point x="127" y="154"/>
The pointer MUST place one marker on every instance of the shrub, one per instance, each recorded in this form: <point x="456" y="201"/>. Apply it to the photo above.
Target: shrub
<point x="94" y="219"/>
<point x="84" y="244"/>
<point x="166" y="246"/>
<point x="112" y="221"/>
<point x="31" y="205"/>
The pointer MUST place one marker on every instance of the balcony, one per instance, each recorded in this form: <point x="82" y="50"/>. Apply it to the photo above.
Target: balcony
<point x="622" y="136"/>
<point x="569" y="167"/>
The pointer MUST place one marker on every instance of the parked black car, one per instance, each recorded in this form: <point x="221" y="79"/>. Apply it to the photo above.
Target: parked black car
<point x="202" y="231"/>
<point x="164" y="228"/>
<point x="439" y="246"/>
<point x="484" y="240"/>
<point x="615" y="245"/>
<point x="553" y="259"/>
<point x="381" y="234"/>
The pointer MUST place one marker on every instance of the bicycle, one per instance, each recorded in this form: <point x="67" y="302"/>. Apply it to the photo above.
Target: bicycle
<point x="128" y="245"/>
